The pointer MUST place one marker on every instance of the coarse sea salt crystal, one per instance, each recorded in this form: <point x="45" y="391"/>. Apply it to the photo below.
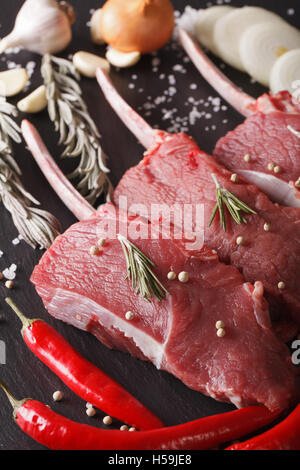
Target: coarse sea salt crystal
<point x="10" y="273"/>
<point x="172" y="91"/>
<point x="186" y="20"/>
<point x="13" y="65"/>
<point x="1" y="254"/>
<point x="179" y="68"/>
<point x="193" y="116"/>
<point x="30" y="66"/>
<point x="159" y="99"/>
<point x="13" y="50"/>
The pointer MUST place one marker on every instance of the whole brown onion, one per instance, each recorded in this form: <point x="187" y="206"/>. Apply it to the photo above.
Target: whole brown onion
<point x="137" y="25"/>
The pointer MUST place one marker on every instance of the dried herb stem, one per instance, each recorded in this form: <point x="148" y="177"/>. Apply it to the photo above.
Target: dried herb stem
<point x="36" y="226"/>
<point x="78" y="132"/>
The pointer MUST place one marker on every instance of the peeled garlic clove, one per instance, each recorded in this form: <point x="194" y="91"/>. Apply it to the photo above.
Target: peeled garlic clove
<point x="35" y="102"/>
<point x="96" y="35"/>
<point x="122" y="59"/>
<point x="87" y="63"/>
<point x="12" y="81"/>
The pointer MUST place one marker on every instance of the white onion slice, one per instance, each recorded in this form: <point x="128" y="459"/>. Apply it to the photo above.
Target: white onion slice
<point x="228" y="31"/>
<point x="262" y="44"/>
<point x="205" y="24"/>
<point x="285" y="72"/>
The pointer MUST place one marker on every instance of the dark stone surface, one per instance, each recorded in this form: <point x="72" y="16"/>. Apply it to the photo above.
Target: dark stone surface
<point x="23" y="373"/>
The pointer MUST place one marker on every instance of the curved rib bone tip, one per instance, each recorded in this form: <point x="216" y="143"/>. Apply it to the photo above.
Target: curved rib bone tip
<point x="57" y="180"/>
<point x="135" y="123"/>
<point x="242" y="102"/>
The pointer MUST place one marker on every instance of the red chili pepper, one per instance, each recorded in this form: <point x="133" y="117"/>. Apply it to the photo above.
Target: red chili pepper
<point x="82" y="377"/>
<point x="59" y="433"/>
<point x="283" y="436"/>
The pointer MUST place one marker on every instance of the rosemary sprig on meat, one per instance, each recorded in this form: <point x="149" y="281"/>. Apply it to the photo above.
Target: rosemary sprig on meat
<point x="36" y="226"/>
<point x="78" y="132"/>
<point x="234" y="205"/>
<point x="139" y="272"/>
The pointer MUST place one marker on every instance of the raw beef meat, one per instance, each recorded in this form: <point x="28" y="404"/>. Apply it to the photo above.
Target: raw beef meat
<point x="248" y="365"/>
<point x="174" y="170"/>
<point x="267" y="139"/>
<point x="268" y="135"/>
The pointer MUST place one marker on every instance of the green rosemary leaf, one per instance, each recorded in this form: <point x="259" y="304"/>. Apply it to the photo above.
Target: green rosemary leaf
<point x="233" y="204"/>
<point x="240" y="204"/>
<point x="221" y="209"/>
<point x="232" y="211"/>
<point x="77" y="131"/>
<point x="139" y="272"/>
<point x="213" y="214"/>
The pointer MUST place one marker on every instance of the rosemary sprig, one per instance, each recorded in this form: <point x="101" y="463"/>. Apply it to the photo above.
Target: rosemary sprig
<point x="78" y="132"/>
<point x="139" y="271"/>
<point x="234" y="205"/>
<point x="37" y="227"/>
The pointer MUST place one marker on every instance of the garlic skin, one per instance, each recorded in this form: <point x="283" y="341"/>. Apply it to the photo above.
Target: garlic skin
<point x="41" y="26"/>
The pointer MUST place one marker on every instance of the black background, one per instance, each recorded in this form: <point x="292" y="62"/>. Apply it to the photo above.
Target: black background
<point x="24" y="374"/>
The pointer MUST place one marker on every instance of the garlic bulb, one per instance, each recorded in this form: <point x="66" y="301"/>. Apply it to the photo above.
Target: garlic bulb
<point x="42" y="26"/>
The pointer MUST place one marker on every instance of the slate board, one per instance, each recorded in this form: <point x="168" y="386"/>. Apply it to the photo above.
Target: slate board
<point x="23" y="373"/>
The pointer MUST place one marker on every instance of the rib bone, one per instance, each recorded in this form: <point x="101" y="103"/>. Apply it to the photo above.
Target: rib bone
<point x="242" y="102"/>
<point x="135" y="123"/>
<point x="61" y="185"/>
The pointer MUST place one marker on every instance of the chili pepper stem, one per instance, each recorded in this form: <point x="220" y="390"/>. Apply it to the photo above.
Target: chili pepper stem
<point x="26" y="322"/>
<point x="13" y="401"/>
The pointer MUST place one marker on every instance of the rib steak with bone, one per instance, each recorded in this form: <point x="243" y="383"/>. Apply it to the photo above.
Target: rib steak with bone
<point x="268" y="135"/>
